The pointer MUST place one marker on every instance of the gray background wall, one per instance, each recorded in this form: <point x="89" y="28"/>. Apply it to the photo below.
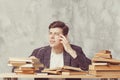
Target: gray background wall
<point x="94" y="25"/>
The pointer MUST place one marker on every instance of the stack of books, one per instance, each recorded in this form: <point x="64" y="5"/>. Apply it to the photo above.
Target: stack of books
<point x="104" y="64"/>
<point x="65" y="70"/>
<point x="24" y="65"/>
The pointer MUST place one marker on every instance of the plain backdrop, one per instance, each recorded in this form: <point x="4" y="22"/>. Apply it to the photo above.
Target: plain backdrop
<point x="94" y="25"/>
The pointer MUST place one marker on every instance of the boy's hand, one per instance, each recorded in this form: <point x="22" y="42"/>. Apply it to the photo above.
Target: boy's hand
<point x="67" y="46"/>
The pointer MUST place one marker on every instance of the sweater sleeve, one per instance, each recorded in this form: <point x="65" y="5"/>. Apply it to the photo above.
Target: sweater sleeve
<point x="38" y="53"/>
<point x="81" y="60"/>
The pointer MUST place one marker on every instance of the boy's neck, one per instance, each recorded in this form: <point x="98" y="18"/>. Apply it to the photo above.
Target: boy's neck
<point x="57" y="49"/>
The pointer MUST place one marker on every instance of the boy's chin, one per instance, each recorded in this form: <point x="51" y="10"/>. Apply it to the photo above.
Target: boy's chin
<point x="53" y="45"/>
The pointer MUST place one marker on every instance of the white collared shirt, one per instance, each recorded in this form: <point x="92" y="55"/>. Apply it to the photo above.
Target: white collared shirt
<point x="56" y="60"/>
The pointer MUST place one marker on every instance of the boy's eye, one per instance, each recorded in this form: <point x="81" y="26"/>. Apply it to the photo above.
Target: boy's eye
<point x="49" y="33"/>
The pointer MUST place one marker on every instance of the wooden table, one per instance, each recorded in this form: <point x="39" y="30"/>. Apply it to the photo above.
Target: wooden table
<point x="9" y="76"/>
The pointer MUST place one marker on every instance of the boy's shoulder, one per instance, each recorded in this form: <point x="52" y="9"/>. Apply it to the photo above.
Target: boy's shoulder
<point x="75" y="46"/>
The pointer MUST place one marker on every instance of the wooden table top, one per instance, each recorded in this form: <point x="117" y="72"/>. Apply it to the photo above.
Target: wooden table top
<point x="13" y="75"/>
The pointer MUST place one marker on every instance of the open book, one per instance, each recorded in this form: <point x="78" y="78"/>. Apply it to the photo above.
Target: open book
<point x="65" y="70"/>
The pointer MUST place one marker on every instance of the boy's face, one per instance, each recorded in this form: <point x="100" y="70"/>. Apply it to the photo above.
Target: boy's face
<point x="54" y="37"/>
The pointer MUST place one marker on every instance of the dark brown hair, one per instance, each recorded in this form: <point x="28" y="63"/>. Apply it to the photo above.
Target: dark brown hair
<point x="60" y="24"/>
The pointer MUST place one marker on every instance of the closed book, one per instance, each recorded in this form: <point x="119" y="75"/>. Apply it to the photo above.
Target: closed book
<point x="103" y="55"/>
<point x="27" y="66"/>
<point x="19" y="71"/>
<point x="114" y="61"/>
<point x="105" y="51"/>
<point x="104" y="67"/>
<point x="100" y="63"/>
<point x="20" y="59"/>
<point x="16" y="64"/>
<point x="104" y="72"/>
